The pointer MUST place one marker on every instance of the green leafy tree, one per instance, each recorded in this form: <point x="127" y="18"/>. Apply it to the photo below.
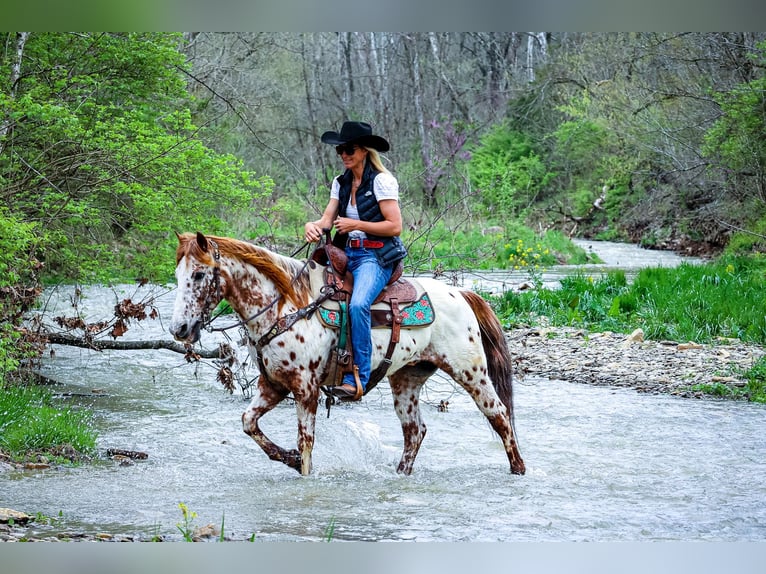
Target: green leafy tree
<point x="99" y="149"/>
<point x="19" y="269"/>
<point x="507" y="172"/>
<point x="737" y="137"/>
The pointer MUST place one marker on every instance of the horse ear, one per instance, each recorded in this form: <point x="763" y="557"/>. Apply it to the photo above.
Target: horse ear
<point x="202" y="241"/>
<point x="178" y="235"/>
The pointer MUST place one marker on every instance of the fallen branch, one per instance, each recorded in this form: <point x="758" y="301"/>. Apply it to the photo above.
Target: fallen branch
<point x="105" y="344"/>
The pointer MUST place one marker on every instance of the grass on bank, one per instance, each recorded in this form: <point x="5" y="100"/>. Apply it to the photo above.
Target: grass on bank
<point x="31" y="424"/>
<point x="513" y="247"/>
<point x="700" y="303"/>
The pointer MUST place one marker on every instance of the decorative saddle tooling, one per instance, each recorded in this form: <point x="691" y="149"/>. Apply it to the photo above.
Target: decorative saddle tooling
<point x="402" y="303"/>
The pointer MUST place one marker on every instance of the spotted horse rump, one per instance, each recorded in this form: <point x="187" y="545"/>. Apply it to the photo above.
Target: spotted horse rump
<point x="277" y="301"/>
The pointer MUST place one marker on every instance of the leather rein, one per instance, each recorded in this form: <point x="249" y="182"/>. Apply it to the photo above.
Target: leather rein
<point x="282" y="324"/>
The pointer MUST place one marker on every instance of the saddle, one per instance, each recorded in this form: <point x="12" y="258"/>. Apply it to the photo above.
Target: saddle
<point x="400" y="304"/>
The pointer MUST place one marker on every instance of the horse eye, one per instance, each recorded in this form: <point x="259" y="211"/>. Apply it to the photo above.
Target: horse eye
<point x="198" y="275"/>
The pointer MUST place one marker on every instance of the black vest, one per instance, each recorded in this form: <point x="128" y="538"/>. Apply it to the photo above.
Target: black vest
<point x="393" y="249"/>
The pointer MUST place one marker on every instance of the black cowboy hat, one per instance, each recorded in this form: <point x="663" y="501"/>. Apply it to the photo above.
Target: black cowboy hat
<point x="358" y="133"/>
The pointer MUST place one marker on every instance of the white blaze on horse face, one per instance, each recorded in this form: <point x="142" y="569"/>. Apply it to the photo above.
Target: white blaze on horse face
<point x="190" y="300"/>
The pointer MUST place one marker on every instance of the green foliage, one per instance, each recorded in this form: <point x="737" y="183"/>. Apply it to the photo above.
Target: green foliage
<point x="448" y="246"/>
<point x="514" y="247"/>
<point x="580" y="141"/>
<point x="754" y="389"/>
<point x="329" y="530"/>
<point x="752" y="241"/>
<point x="103" y="153"/>
<point x="737" y="136"/>
<point x="589" y="161"/>
<point x="700" y="303"/>
<point x="186" y="526"/>
<point x="756" y="381"/>
<point x="280" y="219"/>
<point x="689" y="303"/>
<point x="580" y="301"/>
<point x="30" y="422"/>
<point x="19" y="242"/>
<point x="507" y="171"/>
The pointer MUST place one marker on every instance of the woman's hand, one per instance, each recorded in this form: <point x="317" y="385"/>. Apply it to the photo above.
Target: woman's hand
<point x="346" y="224"/>
<point x="312" y="232"/>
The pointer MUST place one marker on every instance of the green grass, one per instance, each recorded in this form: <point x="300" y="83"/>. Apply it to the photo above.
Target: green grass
<point x="755" y="390"/>
<point x="597" y="304"/>
<point x="688" y="303"/>
<point x="513" y="247"/>
<point x="700" y="303"/>
<point x="31" y="423"/>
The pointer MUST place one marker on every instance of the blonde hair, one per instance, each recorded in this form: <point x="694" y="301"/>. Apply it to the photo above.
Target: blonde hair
<point x="375" y="160"/>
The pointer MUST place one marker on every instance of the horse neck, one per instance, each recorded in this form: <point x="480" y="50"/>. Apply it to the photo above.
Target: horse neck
<point x="250" y="289"/>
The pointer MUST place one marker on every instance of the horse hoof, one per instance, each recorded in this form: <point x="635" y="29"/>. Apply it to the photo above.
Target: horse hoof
<point x="293" y="459"/>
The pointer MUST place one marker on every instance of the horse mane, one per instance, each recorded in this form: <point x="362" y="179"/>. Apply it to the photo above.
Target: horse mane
<point x="284" y="272"/>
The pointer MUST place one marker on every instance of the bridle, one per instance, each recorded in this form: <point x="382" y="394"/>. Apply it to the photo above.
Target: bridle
<point x="282" y="324"/>
<point x="209" y="302"/>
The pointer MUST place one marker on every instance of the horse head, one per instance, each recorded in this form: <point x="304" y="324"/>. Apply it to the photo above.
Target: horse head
<point x="199" y="290"/>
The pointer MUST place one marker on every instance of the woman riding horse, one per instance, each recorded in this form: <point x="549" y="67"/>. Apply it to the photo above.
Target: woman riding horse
<point x="465" y="340"/>
<point x="364" y="208"/>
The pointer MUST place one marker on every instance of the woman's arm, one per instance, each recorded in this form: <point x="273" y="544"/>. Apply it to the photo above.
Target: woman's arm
<point x="313" y="230"/>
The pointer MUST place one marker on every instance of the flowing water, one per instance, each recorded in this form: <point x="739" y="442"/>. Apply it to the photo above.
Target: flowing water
<point x="602" y="464"/>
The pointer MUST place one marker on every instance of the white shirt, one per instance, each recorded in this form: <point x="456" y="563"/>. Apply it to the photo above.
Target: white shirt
<point x="385" y="186"/>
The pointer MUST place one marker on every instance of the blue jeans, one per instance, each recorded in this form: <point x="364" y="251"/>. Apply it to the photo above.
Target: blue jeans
<point x="369" y="280"/>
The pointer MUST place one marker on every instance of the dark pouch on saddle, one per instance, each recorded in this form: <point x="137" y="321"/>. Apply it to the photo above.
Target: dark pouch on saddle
<point x="340" y="240"/>
<point x="333" y="252"/>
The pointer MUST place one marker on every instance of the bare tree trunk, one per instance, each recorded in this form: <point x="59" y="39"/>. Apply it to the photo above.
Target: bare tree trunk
<point x="105" y="344"/>
<point x="386" y="42"/>
<point x="425" y="144"/>
<point x="457" y="101"/>
<point x="309" y="81"/>
<point x="530" y="58"/>
<point x="536" y="42"/>
<point x="21" y="40"/>
<point x="515" y="44"/>
<point x="344" y="44"/>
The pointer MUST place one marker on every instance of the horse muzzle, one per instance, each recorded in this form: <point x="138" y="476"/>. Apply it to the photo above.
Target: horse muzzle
<point x="187" y="332"/>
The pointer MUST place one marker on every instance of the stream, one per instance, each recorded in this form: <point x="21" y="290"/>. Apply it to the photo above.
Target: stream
<point x="602" y="464"/>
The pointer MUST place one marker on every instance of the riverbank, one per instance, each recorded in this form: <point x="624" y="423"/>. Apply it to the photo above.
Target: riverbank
<point x="629" y="361"/>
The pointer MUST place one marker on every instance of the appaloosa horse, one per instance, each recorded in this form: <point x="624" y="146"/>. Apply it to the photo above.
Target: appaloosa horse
<point x="465" y="340"/>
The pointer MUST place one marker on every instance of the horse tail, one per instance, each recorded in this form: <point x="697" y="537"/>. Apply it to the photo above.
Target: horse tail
<point x="499" y="360"/>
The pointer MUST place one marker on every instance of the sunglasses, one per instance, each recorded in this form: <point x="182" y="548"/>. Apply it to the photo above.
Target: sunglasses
<point x="348" y="149"/>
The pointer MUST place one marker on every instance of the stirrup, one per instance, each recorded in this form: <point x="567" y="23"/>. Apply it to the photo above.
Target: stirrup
<point x="347" y="395"/>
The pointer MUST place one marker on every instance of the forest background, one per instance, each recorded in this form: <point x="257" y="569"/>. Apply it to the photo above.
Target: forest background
<point x="504" y="145"/>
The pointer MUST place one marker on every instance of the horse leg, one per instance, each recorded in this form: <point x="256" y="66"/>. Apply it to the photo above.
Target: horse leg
<point x="405" y="386"/>
<point x="478" y="384"/>
<point x="306" y="407"/>
<point x="265" y="398"/>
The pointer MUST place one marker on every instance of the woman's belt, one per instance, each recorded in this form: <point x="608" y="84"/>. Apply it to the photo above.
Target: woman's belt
<point x="365" y="243"/>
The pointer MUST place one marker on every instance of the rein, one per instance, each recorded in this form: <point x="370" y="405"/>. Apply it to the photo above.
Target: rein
<point x="283" y="324"/>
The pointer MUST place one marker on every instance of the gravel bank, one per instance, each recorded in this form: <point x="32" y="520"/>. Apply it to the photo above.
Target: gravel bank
<point x="628" y="361"/>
